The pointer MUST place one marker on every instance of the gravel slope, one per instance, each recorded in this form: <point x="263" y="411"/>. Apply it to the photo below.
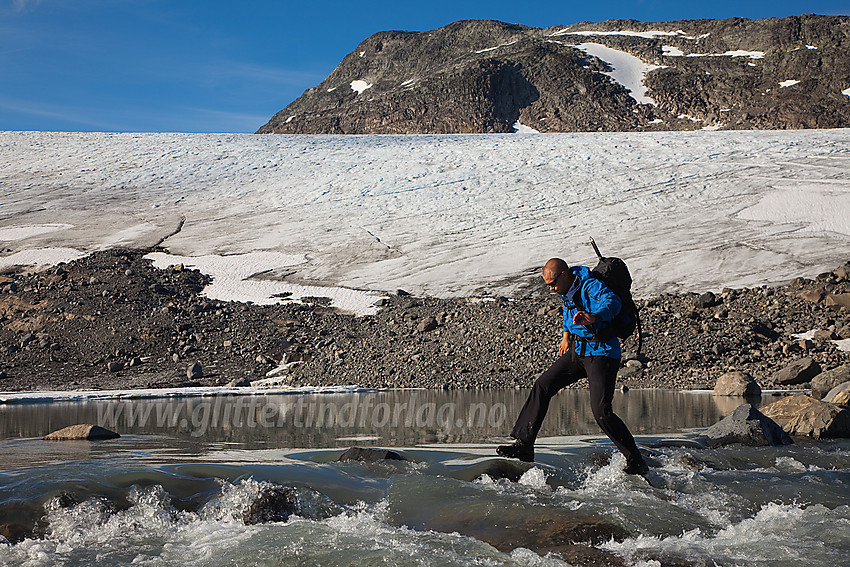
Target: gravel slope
<point x="111" y="320"/>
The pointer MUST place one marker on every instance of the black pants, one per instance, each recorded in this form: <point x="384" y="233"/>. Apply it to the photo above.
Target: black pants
<point x="601" y="373"/>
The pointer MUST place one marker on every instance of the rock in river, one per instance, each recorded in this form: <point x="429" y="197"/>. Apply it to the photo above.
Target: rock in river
<point x="804" y="415"/>
<point x="82" y="431"/>
<point x="748" y="426"/>
<point x="370" y="455"/>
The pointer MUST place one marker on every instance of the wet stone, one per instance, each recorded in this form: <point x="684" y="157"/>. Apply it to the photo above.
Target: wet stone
<point x="369" y="455"/>
<point x="273" y="504"/>
<point x="14" y="533"/>
<point x="747" y="426"/>
<point x="806" y="416"/>
<point x="81" y="432"/>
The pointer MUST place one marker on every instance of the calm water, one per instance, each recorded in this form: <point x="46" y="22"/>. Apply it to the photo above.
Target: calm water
<point x="175" y="488"/>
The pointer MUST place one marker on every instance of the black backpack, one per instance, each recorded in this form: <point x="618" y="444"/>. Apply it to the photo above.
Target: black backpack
<point x="614" y="273"/>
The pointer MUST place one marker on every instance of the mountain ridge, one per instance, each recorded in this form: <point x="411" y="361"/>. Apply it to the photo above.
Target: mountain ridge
<point x="484" y="76"/>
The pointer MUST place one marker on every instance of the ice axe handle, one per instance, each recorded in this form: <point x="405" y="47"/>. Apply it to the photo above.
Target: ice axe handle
<point x="595" y="248"/>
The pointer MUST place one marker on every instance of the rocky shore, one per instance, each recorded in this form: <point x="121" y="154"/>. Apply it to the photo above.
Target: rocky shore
<point x="112" y="320"/>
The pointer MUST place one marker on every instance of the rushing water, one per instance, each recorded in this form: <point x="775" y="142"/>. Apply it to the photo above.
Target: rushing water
<point x="180" y="485"/>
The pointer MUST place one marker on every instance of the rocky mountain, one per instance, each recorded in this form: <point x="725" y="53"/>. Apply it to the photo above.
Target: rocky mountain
<point x="486" y="76"/>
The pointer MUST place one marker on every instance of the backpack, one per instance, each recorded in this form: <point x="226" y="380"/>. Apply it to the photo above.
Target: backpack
<point x="614" y="273"/>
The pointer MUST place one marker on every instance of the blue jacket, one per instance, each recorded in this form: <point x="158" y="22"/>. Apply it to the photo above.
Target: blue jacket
<point x="598" y="300"/>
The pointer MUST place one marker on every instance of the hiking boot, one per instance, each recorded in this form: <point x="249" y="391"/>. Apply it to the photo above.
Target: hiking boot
<point x="636" y="467"/>
<point x="518" y="450"/>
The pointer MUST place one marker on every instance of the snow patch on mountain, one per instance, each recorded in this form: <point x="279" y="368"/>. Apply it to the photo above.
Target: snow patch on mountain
<point x="645" y="35"/>
<point x="521" y="128"/>
<point x="360" y="85"/>
<point x="628" y="70"/>
<point x="495" y="48"/>
<point x="671" y="51"/>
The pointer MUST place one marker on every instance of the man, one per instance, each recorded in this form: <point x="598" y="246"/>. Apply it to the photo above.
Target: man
<point x="589" y="307"/>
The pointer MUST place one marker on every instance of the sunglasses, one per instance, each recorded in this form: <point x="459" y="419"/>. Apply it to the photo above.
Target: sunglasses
<point x="554" y="282"/>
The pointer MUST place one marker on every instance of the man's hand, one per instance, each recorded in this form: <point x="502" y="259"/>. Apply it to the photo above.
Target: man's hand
<point x="584" y="318"/>
<point x="565" y="345"/>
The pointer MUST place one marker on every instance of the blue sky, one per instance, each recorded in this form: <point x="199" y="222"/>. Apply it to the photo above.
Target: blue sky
<point x="228" y="66"/>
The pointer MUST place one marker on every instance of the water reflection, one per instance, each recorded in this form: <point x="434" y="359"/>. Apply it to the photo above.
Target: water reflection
<point x="392" y="418"/>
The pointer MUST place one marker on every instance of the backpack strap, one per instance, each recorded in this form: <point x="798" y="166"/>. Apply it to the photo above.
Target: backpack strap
<point x="607" y="332"/>
<point x="577" y="300"/>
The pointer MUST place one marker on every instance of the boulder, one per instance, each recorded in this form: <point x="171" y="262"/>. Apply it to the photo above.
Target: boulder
<point x="83" y="431"/>
<point x="14" y="533"/>
<point x="427" y="324"/>
<point x="804" y="415"/>
<point x="736" y="384"/>
<point x="370" y="455"/>
<point x="811" y="295"/>
<point x="830" y="396"/>
<point x="194" y="371"/>
<point x="748" y="426"/>
<point x="570" y="534"/>
<point x="629" y="371"/>
<point x="826" y="381"/>
<point x="798" y="372"/>
<point x="842" y="399"/>
<point x="838" y="300"/>
<point x="707" y="299"/>
<point x="547" y="533"/>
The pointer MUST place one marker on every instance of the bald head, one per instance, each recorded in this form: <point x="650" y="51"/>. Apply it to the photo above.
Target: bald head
<point x="557" y="275"/>
<point x="553" y="268"/>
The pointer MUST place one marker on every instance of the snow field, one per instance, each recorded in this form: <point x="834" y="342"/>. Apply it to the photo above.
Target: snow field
<point x="462" y="215"/>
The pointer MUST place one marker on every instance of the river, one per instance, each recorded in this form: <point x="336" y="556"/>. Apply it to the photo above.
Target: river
<point x="179" y="485"/>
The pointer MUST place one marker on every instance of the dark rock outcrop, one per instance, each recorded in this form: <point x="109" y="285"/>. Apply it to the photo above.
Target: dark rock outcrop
<point x="484" y="76"/>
